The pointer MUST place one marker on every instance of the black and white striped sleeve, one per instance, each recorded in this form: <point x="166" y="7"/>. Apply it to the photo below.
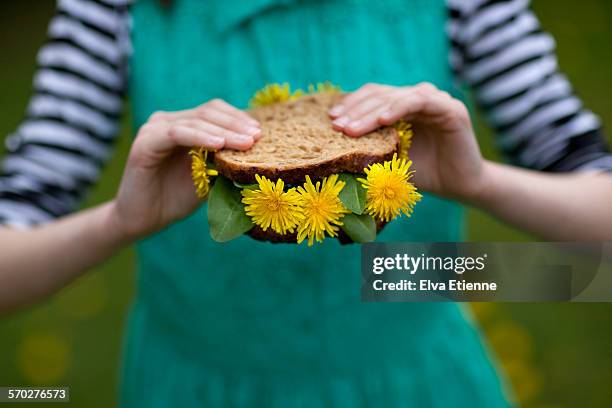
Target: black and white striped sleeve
<point x="72" y="118"/>
<point x="501" y="52"/>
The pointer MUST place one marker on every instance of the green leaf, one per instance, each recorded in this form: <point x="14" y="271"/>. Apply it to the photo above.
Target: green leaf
<point x="248" y="186"/>
<point x="226" y="212"/>
<point x="360" y="228"/>
<point x="353" y="195"/>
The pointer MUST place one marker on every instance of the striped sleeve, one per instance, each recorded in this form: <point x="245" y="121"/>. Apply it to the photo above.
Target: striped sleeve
<point x="500" y="51"/>
<point x="72" y="119"/>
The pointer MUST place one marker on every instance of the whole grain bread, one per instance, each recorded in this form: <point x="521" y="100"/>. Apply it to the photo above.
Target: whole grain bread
<point x="298" y="140"/>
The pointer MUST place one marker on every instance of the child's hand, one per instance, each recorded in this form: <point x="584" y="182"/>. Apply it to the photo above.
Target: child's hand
<point x="156" y="187"/>
<point x="444" y="150"/>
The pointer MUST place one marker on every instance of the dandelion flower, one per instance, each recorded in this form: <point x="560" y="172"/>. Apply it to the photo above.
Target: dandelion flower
<point x="322" y="87"/>
<point x="274" y="93"/>
<point x="322" y="209"/>
<point x="200" y="173"/>
<point x="404" y="132"/>
<point x="389" y="191"/>
<point x="270" y="206"/>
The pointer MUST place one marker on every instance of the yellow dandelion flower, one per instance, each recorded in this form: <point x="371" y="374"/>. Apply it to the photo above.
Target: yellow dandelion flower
<point x="322" y="209"/>
<point x="321" y="87"/>
<point x="389" y="191"/>
<point x="200" y="173"/>
<point x="274" y="93"/>
<point x="270" y="206"/>
<point x="404" y="132"/>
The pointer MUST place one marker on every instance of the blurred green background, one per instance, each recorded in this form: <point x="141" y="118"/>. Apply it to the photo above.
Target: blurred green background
<point x="555" y="355"/>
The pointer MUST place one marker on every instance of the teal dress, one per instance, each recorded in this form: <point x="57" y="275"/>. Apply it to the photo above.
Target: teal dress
<point x="247" y="323"/>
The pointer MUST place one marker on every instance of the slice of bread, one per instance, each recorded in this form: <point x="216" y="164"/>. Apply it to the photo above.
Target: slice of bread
<point x="298" y="140"/>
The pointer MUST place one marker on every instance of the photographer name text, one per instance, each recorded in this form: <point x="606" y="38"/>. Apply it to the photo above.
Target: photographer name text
<point x="431" y="264"/>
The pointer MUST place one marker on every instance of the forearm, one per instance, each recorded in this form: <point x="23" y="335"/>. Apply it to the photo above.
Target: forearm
<point x="37" y="262"/>
<point x="562" y="206"/>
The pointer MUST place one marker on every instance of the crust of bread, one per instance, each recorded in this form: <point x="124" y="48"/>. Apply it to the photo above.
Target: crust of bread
<point x="269" y="235"/>
<point x="327" y="152"/>
<point x="350" y="163"/>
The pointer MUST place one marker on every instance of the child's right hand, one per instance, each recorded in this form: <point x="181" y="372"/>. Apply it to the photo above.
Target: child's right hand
<point x="156" y="188"/>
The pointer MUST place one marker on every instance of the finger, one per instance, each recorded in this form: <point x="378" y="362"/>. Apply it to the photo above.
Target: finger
<point x="364" y="106"/>
<point x="159" y="139"/>
<point x="220" y="104"/>
<point x="367" y="123"/>
<point x="233" y="140"/>
<point x="180" y="135"/>
<point x="416" y="101"/>
<point x="357" y="111"/>
<point x="226" y="120"/>
<point x="228" y="117"/>
<point x="215" y="104"/>
<point x="354" y="98"/>
<point x="160" y="116"/>
<point x="171" y="116"/>
<point x="239" y="142"/>
<point x="355" y="119"/>
<point x="401" y="106"/>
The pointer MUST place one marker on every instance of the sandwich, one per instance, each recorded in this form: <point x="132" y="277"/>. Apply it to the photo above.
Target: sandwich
<point x="303" y="180"/>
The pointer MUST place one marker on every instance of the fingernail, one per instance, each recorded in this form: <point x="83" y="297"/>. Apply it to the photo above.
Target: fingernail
<point x="354" y="124"/>
<point x="252" y="130"/>
<point x="245" y="138"/>
<point x="254" y="123"/>
<point x="215" y="139"/>
<point x="386" y="115"/>
<point x="336" y="110"/>
<point x="341" y="122"/>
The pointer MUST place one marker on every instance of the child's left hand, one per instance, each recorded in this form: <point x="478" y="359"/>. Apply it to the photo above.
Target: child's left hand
<point x="444" y="149"/>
